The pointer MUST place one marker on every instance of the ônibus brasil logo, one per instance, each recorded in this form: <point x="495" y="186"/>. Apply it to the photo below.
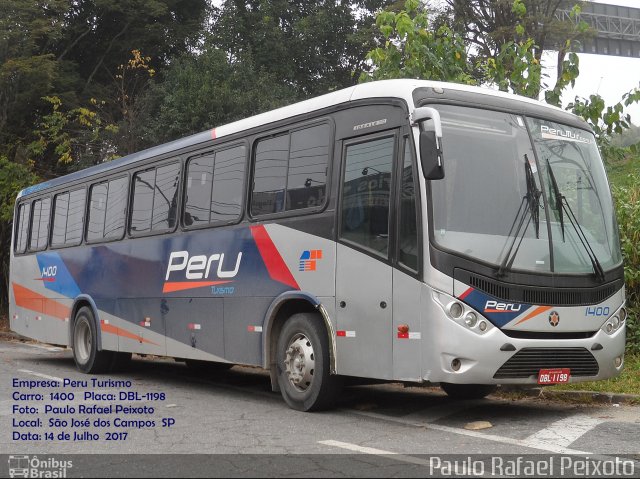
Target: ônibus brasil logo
<point x="196" y="271"/>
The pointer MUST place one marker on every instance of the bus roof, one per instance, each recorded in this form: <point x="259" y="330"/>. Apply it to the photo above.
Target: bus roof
<point x="401" y="88"/>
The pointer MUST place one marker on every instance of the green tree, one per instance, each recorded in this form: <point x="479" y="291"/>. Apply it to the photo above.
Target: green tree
<point x="607" y="121"/>
<point x="490" y="25"/>
<point x="207" y="90"/>
<point x="412" y="50"/>
<point x="13" y="178"/>
<point x="75" y="137"/>
<point x="100" y="34"/>
<point x="313" y="47"/>
<point x="29" y="69"/>
<point x="72" y="51"/>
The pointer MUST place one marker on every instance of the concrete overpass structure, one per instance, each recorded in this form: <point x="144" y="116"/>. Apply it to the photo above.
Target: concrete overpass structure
<point x="617" y="28"/>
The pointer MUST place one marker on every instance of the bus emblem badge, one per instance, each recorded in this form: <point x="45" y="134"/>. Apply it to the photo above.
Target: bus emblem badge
<point x="309" y="258"/>
<point x="554" y="319"/>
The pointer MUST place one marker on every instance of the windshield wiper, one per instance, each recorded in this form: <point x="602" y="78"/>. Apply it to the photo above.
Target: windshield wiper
<point x="529" y="208"/>
<point x="561" y="204"/>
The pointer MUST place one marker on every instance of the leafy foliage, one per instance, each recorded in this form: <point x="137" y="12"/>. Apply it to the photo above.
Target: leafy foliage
<point x="627" y="200"/>
<point x="313" y="47"/>
<point x="209" y="90"/>
<point x="13" y="178"/>
<point x="607" y="120"/>
<point x="411" y="50"/>
<point x="492" y="27"/>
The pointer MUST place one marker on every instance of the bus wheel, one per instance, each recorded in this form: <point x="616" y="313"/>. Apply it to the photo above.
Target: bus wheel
<point x="302" y="361"/>
<point x="85" y="344"/>
<point x="467" y="391"/>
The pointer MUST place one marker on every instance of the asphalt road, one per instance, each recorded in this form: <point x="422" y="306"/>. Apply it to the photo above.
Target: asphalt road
<point x="234" y="413"/>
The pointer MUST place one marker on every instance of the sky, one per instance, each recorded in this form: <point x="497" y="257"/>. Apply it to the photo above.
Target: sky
<point x="609" y="76"/>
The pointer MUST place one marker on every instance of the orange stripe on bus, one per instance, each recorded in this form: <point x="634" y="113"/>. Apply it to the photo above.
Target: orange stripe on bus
<point x="170" y="287"/>
<point x="28" y="299"/>
<point x="109" y="328"/>
<point x="535" y="312"/>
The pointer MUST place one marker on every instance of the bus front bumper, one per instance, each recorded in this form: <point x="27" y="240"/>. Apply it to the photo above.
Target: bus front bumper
<point x="495" y="358"/>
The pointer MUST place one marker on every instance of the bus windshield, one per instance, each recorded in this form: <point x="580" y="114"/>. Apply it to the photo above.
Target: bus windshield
<point x="487" y="194"/>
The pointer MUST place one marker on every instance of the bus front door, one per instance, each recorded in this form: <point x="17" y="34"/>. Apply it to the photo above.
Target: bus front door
<point x="364" y="276"/>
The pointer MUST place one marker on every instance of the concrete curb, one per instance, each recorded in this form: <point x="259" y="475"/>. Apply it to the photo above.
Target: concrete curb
<point x="579" y="396"/>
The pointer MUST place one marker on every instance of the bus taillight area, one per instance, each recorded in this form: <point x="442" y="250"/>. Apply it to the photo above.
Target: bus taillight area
<point x="470" y="354"/>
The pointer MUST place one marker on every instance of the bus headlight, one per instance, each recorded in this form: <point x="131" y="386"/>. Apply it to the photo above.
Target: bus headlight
<point x="615" y="321"/>
<point x="471" y="319"/>
<point x="623" y="314"/>
<point x="461" y="313"/>
<point x="455" y="310"/>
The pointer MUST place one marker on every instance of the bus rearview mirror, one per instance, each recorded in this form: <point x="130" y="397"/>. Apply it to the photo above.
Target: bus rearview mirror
<point x="431" y="156"/>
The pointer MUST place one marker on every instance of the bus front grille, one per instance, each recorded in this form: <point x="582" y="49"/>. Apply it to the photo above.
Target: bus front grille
<point x="528" y="361"/>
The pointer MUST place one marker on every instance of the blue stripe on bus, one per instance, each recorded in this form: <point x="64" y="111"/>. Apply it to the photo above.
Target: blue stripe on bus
<point x="498" y="317"/>
<point x="138" y="268"/>
<point x="55" y="275"/>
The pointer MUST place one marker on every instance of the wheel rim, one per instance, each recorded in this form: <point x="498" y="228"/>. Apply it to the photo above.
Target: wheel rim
<point x="300" y="362"/>
<point x="83" y="341"/>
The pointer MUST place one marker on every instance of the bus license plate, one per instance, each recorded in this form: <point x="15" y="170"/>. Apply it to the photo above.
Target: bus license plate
<point x="554" y="376"/>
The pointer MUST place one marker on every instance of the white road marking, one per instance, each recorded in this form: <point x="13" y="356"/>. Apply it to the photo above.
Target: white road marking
<point x="40" y="375"/>
<point x="24" y="349"/>
<point x="441" y="411"/>
<point x="565" y="431"/>
<point x="549" y="447"/>
<point x="54" y="349"/>
<point x="375" y="452"/>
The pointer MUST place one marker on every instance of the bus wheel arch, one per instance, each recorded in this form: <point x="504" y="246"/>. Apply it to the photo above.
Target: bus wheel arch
<point x="282" y="309"/>
<point x="80" y="302"/>
<point x="302" y="363"/>
<point x="89" y="358"/>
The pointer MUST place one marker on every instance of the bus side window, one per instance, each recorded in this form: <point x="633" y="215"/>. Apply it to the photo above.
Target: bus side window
<point x="270" y="175"/>
<point x="75" y="217"/>
<point x="165" y="199"/>
<point x="97" y="209"/>
<point x="40" y="224"/>
<point x="228" y="179"/>
<point x="198" y="190"/>
<point x="408" y="231"/>
<point x="308" y="162"/>
<point x="116" y="208"/>
<point x="366" y="193"/>
<point x="107" y="205"/>
<point x="60" y="213"/>
<point x="23" y="227"/>
<point x="290" y="171"/>
<point x="143" y="187"/>
<point x="68" y="218"/>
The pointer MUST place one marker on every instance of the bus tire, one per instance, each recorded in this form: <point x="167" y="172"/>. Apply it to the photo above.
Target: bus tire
<point x="302" y="362"/>
<point x="85" y="344"/>
<point x="468" y="391"/>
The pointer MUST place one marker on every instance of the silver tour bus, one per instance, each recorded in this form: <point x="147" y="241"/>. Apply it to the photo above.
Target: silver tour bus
<point x="400" y="230"/>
